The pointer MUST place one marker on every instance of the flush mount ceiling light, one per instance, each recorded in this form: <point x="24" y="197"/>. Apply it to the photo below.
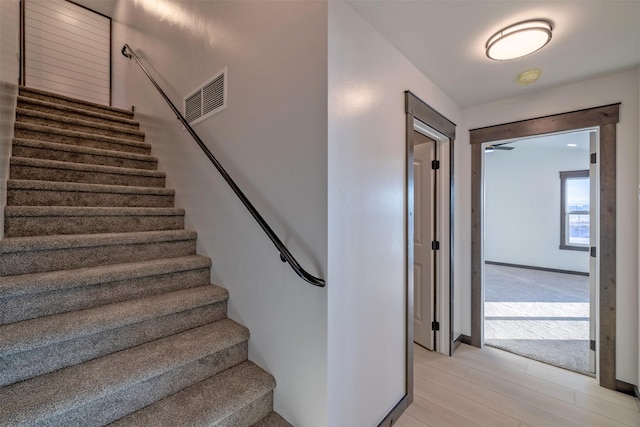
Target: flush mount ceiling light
<point x="519" y="39"/>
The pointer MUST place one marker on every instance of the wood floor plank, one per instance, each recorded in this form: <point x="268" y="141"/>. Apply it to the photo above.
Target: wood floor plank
<point x="437" y="416"/>
<point x="554" y="390"/>
<point x="556" y="407"/>
<point x="480" y="414"/>
<point x="625" y="415"/>
<point x="406" y="420"/>
<point x="468" y="391"/>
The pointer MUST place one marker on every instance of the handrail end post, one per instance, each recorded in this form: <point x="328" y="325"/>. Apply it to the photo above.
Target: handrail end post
<point x="124" y="52"/>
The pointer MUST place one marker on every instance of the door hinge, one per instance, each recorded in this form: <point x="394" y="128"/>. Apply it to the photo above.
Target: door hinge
<point x="435" y="326"/>
<point x="592" y="345"/>
<point x="593" y="158"/>
<point x="435" y="245"/>
<point x="593" y="251"/>
<point x="435" y="164"/>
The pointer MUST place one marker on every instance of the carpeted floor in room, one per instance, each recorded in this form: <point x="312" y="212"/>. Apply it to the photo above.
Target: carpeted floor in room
<point x="538" y="314"/>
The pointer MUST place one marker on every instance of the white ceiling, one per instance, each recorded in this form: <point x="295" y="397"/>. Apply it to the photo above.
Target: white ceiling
<point x="445" y="39"/>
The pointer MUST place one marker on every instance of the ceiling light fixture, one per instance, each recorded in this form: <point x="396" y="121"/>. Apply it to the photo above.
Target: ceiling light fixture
<point x="519" y="39"/>
<point x="572" y="145"/>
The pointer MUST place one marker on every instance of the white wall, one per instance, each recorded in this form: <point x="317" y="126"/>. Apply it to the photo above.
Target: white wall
<point x="9" y="75"/>
<point x="366" y="193"/>
<point x="616" y="87"/>
<point x="522" y="201"/>
<point x="272" y="140"/>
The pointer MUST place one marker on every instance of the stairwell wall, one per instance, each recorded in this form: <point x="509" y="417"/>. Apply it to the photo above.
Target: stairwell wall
<point x="272" y="140"/>
<point x="9" y="75"/>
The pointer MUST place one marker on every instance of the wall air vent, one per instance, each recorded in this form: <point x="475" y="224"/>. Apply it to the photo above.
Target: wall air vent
<point x="208" y="99"/>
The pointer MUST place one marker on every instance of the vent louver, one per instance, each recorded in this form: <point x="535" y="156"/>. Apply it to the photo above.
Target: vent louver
<point x="207" y="100"/>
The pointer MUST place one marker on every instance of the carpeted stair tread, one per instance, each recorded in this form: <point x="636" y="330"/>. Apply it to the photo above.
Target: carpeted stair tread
<point x="53" y="170"/>
<point x="78" y="154"/>
<point x="211" y="402"/>
<point x="74" y="112"/>
<point x="38" y="211"/>
<point x="26" y="284"/>
<point x="272" y="420"/>
<point x="39" y="243"/>
<point x="78" y="103"/>
<point x="37" y="399"/>
<point x="65" y="136"/>
<point x="62" y="122"/>
<point x="44" y="331"/>
<point x="23" y="255"/>
<point x="52" y="220"/>
<point x="25" y="192"/>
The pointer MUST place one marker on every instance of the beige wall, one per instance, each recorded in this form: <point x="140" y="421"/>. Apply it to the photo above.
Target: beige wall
<point x="366" y="193"/>
<point x="9" y="74"/>
<point x="617" y="87"/>
<point x="272" y="140"/>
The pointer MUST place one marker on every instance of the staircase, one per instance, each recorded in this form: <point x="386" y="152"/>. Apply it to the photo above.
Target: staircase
<point x="107" y="315"/>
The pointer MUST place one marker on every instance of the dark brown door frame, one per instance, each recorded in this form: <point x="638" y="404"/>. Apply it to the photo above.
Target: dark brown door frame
<point x="605" y="119"/>
<point x="415" y="108"/>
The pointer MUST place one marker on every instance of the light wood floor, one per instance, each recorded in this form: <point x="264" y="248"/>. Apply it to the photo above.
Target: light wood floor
<point x="489" y="387"/>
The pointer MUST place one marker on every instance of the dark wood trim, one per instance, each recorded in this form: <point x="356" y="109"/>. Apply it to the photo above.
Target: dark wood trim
<point x="409" y="141"/>
<point x="395" y="413"/>
<point x="564" y="175"/>
<point x="605" y="118"/>
<point x="477" y="270"/>
<point x="461" y="339"/>
<point x="607" y="256"/>
<point x="416" y="109"/>
<point x="627" y="388"/>
<point x="590" y="117"/>
<point x="530" y="267"/>
<point x="426" y="114"/>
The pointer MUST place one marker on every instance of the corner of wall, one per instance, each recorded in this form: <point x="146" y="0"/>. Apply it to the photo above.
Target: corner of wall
<point x="9" y="74"/>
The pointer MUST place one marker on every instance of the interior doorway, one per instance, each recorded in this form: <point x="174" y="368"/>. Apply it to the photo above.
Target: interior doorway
<point x="540" y="210"/>
<point x="604" y="119"/>
<point x="429" y="233"/>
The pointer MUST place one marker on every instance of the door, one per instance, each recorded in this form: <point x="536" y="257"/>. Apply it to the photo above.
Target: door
<point x="424" y="233"/>
<point x="66" y="49"/>
<point x="593" y="242"/>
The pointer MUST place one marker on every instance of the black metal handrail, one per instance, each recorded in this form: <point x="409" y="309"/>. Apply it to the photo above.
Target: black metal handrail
<point x="285" y="255"/>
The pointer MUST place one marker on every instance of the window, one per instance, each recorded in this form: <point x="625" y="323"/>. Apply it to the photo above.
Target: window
<point x="574" y="210"/>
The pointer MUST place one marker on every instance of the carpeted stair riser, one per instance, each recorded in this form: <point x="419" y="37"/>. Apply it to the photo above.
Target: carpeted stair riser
<point x="272" y="420"/>
<point x="75" y="154"/>
<point x="77" y="125"/>
<point x="28" y="364"/>
<point x="99" y="288"/>
<point x="40" y="254"/>
<point x="49" y="170"/>
<point x="23" y="221"/>
<point x="122" y="403"/>
<point x="61" y="393"/>
<point x="84" y="105"/>
<point x="44" y="193"/>
<point x="70" y="137"/>
<point x="76" y="113"/>
<point x="243" y="396"/>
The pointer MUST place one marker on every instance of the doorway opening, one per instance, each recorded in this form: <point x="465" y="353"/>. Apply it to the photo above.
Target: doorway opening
<point x="540" y="213"/>
<point x="604" y="119"/>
